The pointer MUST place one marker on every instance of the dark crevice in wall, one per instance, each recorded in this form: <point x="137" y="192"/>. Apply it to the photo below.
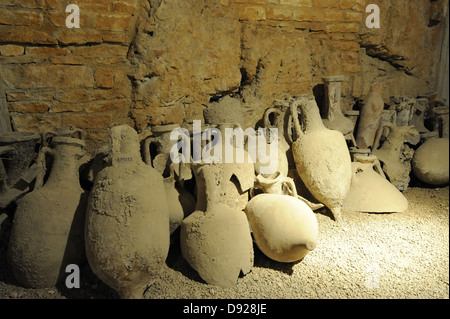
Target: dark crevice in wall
<point x="380" y="52"/>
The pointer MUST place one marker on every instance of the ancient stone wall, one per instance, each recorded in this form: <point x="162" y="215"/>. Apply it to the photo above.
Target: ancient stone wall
<point x="147" y="62"/>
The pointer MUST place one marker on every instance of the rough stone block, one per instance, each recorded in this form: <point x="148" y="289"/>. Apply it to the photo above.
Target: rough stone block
<point x="297" y="3"/>
<point x="255" y="13"/>
<point x="20" y="34"/>
<point x="119" y="7"/>
<point x="279" y="13"/>
<point x="11" y="50"/>
<point x="87" y="120"/>
<point x="112" y="22"/>
<point x="308" y="14"/>
<point x="343" y="27"/>
<point x="12" y="16"/>
<point x="351" y="16"/>
<point x="104" y="78"/>
<point x="28" y="107"/>
<point x="357" y="5"/>
<point x="326" y="3"/>
<point x="48" y="51"/>
<point x="41" y="76"/>
<point x="37" y="122"/>
<point x="80" y="36"/>
<point x="66" y="107"/>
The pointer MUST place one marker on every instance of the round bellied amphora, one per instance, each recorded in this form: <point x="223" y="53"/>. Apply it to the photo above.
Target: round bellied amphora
<point x="430" y="163"/>
<point x="321" y="156"/>
<point x="127" y="220"/>
<point x="284" y="227"/>
<point x="47" y="230"/>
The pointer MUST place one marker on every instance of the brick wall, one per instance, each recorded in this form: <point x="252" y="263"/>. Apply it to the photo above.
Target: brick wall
<point x="131" y="62"/>
<point x="56" y="76"/>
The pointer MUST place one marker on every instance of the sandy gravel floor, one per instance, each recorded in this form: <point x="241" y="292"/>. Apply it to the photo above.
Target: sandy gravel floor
<point x="380" y="256"/>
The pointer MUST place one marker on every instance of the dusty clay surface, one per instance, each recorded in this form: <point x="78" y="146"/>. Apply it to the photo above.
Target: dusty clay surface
<point x="403" y="255"/>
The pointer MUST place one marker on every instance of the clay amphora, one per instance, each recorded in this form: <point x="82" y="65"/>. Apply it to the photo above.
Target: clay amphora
<point x="22" y="153"/>
<point x="216" y="241"/>
<point x="281" y="185"/>
<point x="321" y="157"/>
<point x="430" y="163"/>
<point x="285" y="228"/>
<point x="334" y="118"/>
<point x="237" y="176"/>
<point x="420" y="115"/>
<point x="441" y="113"/>
<point x="179" y="201"/>
<point x="395" y="154"/>
<point x="284" y="149"/>
<point x="404" y="107"/>
<point x="161" y="139"/>
<point x="225" y="110"/>
<point x="370" y="191"/>
<point x="370" y="117"/>
<point x="17" y="153"/>
<point x="47" y="231"/>
<point x="127" y="220"/>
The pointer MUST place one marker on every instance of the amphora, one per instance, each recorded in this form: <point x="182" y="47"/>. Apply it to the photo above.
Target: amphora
<point x="47" y="230"/>
<point x="127" y="223"/>
<point x="321" y="156"/>
<point x="215" y="239"/>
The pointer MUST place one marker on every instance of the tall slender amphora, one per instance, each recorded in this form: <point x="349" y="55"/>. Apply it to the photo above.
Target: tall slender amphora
<point x="321" y="157"/>
<point x="47" y="231"/>
<point x="127" y="220"/>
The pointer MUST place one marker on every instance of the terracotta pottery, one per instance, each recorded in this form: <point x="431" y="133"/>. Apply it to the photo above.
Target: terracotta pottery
<point x="285" y="228"/>
<point x="216" y="240"/>
<point x="22" y="153"/>
<point x="180" y="202"/>
<point x="441" y="114"/>
<point x="321" y="156"/>
<point x="281" y="185"/>
<point x="421" y="110"/>
<point x="394" y="154"/>
<point x="47" y="231"/>
<point x="404" y="107"/>
<point x="334" y="119"/>
<point x="17" y="171"/>
<point x="237" y="176"/>
<point x="370" y="191"/>
<point x="370" y="117"/>
<point x="430" y="163"/>
<point x="127" y="223"/>
<point x="161" y="139"/>
<point x="225" y="110"/>
<point x="276" y="184"/>
<point x="284" y="149"/>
